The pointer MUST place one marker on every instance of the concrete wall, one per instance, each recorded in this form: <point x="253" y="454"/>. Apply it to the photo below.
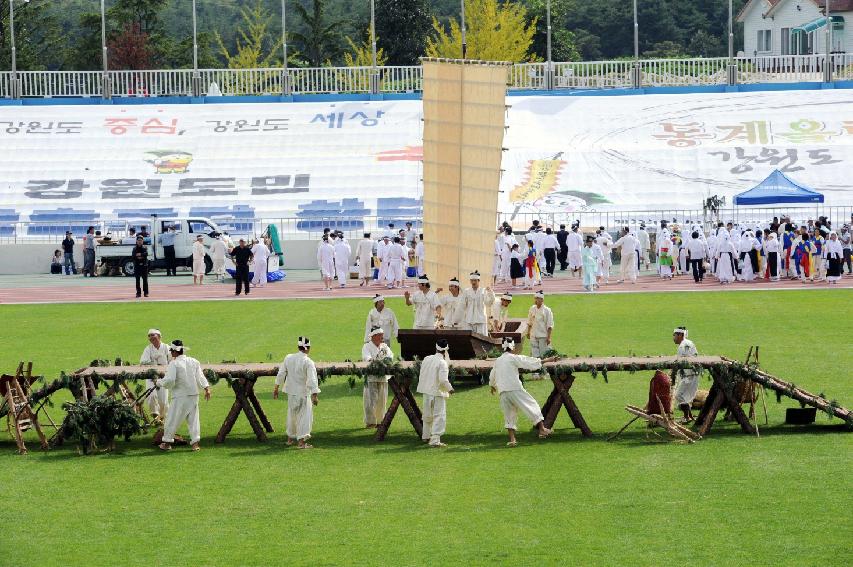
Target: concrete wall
<point x="22" y="259"/>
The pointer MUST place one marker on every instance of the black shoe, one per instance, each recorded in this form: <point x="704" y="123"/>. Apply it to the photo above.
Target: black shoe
<point x="146" y="295"/>
<point x="138" y="295"/>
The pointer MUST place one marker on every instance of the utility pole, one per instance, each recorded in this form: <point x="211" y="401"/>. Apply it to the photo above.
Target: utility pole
<point x="464" y="45"/>
<point x="105" y="79"/>
<point x="196" y="75"/>
<point x="374" y="72"/>
<point x="549" y="71"/>
<point x="285" y="74"/>
<point x="827" y="71"/>
<point x="635" y="79"/>
<point x="732" y="74"/>
<point x="14" y="92"/>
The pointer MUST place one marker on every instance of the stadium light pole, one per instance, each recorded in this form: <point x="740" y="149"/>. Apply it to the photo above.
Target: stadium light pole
<point x="827" y="72"/>
<point x="464" y="45"/>
<point x="732" y="67"/>
<point x="549" y="71"/>
<point x="196" y="75"/>
<point x="14" y="90"/>
<point x="285" y="76"/>
<point x="374" y="71"/>
<point x="105" y="78"/>
<point x="636" y="75"/>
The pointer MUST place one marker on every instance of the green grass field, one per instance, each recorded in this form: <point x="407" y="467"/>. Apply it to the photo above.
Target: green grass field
<point x="731" y="499"/>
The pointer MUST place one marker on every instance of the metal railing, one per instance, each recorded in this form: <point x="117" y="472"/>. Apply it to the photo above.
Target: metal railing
<point x="334" y="80"/>
<point x="301" y="228"/>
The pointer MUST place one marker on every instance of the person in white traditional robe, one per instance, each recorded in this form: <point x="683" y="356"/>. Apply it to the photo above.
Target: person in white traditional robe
<point x="260" y="257"/>
<point x="342" y="254"/>
<point x="598" y="265"/>
<point x="712" y="243"/>
<point x="688" y="378"/>
<point x="773" y="254"/>
<point x="726" y="254"/>
<point x="504" y="380"/>
<point x="645" y="245"/>
<point x="628" y="257"/>
<point x="606" y="243"/>
<point x="451" y="316"/>
<point x="496" y="257"/>
<point x="382" y="258"/>
<point x="364" y="256"/>
<point x="426" y="303"/>
<point x="747" y="244"/>
<point x="184" y="378"/>
<point x="218" y="251"/>
<point x="540" y="325"/>
<point x="326" y="261"/>
<point x="506" y="254"/>
<point x="434" y="384"/>
<point x="383" y="317"/>
<point x="420" y="254"/>
<point x="500" y="313"/>
<point x="298" y="375"/>
<point x="156" y="353"/>
<point x="833" y="251"/>
<point x="397" y="258"/>
<point x="375" y="395"/>
<point x="574" y="243"/>
<point x="475" y="302"/>
<point x="198" y="260"/>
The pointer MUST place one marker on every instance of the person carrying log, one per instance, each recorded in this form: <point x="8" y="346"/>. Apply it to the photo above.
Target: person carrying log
<point x="156" y="353"/>
<point x="298" y="375"/>
<point x="184" y="378"/>
<point x="434" y="384"/>
<point x="505" y="381"/>
<point x="688" y="378"/>
<point x="375" y="395"/>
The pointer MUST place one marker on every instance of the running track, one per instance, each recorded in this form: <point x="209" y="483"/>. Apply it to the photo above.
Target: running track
<point x="120" y="289"/>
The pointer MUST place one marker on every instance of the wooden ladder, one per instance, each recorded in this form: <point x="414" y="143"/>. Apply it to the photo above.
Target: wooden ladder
<point x="21" y="417"/>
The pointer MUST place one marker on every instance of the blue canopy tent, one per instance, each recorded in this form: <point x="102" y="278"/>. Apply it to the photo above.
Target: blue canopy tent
<point x="777" y="189"/>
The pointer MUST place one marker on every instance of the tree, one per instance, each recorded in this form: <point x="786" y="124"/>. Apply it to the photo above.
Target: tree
<point x="145" y="13"/>
<point x="38" y="40"/>
<point x="129" y="49"/>
<point x="255" y="49"/>
<point x="495" y="32"/>
<point x="401" y="29"/>
<point x="665" y="50"/>
<point x="704" y="44"/>
<point x="361" y="54"/>
<point x="321" y="41"/>
<point x="563" y="43"/>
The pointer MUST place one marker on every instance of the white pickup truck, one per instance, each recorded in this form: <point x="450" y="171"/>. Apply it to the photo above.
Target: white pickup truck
<point x="119" y="256"/>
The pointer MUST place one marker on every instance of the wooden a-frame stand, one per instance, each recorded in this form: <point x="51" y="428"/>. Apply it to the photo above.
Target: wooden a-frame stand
<point x="560" y="398"/>
<point x="718" y="397"/>
<point x="402" y="397"/>
<point x="246" y="401"/>
<point x="21" y="416"/>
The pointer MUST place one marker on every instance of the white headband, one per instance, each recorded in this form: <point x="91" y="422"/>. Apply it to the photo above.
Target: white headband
<point x="474" y="276"/>
<point x="440" y="348"/>
<point x="377" y="299"/>
<point x="376" y="331"/>
<point x="508" y="343"/>
<point x="539" y="295"/>
<point x="178" y="348"/>
<point x="423" y="280"/>
<point x="155" y="332"/>
<point x="507" y="296"/>
<point x="455" y="282"/>
<point x="680" y="331"/>
<point x="303" y="342"/>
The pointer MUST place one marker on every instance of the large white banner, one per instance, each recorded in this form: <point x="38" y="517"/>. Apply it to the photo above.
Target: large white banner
<point x="673" y="151"/>
<point x="351" y="160"/>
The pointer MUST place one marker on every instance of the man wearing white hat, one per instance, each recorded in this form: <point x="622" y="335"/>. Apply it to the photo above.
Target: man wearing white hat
<point x="218" y="251"/>
<point x="574" y="243"/>
<point x="688" y="378"/>
<point x="382" y="317"/>
<point x="451" y="310"/>
<point x="364" y="255"/>
<point x="434" y="384"/>
<point x="261" y="255"/>
<point x="184" y="378"/>
<point x="156" y="353"/>
<point x="504" y="380"/>
<point x="382" y="257"/>
<point x="198" y="260"/>
<point x="475" y="303"/>
<point x="375" y="395"/>
<point x="326" y="261"/>
<point x="427" y="306"/>
<point x="500" y="313"/>
<point x="628" y="257"/>
<point x="298" y="375"/>
<point x="342" y="254"/>
<point x="540" y="325"/>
